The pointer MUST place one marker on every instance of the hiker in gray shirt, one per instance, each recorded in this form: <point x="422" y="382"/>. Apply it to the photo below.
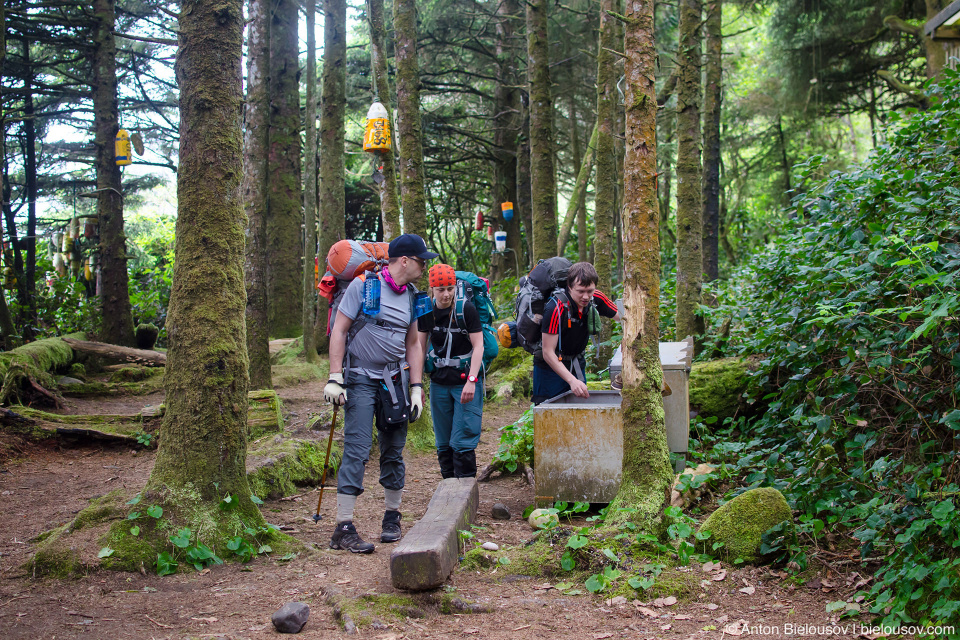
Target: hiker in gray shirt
<point x="373" y="353"/>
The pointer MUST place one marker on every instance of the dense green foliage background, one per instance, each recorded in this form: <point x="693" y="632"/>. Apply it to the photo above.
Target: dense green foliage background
<point x="852" y="318"/>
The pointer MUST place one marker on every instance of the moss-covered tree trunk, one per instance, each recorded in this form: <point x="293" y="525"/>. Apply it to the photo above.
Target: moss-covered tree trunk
<point x="203" y="448"/>
<point x="255" y="149"/>
<point x="310" y="218"/>
<point x="408" y="118"/>
<point x="524" y="191"/>
<point x="711" y="140"/>
<point x="284" y="208"/>
<point x="332" y="194"/>
<point x="689" y="194"/>
<point x="543" y="181"/>
<point x="114" y="295"/>
<point x="506" y="122"/>
<point x="389" y="197"/>
<point x="645" y="486"/>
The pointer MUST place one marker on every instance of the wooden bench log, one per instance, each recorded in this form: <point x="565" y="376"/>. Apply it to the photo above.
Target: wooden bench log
<point x="428" y="554"/>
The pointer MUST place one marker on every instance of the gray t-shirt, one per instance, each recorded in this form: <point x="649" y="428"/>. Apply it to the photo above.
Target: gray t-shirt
<point x="374" y="344"/>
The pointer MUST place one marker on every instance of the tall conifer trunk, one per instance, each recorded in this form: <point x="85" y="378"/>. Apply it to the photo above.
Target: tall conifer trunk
<point x="689" y="195"/>
<point x="285" y="202"/>
<point x="113" y="293"/>
<point x="507" y="122"/>
<point x="711" y="140"/>
<point x="524" y="190"/>
<point x="310" y="218"/>
<point x="202" y="454"/>
<point x="645" y="486"/>
<point x="389" y="198"/>
<point x="605" y="200"/>
<point x="255" y="149"/>
<point x="543" y="179"/>
<point x="332" y="195"/>
<point x="409" y="132"/>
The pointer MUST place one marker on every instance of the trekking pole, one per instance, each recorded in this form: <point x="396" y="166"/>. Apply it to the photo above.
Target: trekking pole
<point x="326" y="461"/>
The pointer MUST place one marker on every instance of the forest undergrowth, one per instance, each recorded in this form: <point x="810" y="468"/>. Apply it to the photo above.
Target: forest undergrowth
<point x="852" y="316"/>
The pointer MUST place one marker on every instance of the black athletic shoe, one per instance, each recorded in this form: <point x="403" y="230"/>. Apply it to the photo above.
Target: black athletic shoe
<point x="345" y="537"/>
<point x="391" y="526"/>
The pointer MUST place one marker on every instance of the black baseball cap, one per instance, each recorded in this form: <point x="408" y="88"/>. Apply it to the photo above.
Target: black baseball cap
<point x="410" y="244"/>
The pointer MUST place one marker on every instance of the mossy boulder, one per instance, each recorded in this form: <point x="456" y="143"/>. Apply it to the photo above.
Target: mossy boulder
<point x="277" y="464"/>
<point x="264" y="413"/>
<point x="717" y="387"/>
<point x="289" y="353"/>
<point x="146" y="335"/>
<point x="741" y="523"/>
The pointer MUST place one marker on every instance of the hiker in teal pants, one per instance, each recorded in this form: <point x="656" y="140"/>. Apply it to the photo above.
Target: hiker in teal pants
<point x="456" y="389"/>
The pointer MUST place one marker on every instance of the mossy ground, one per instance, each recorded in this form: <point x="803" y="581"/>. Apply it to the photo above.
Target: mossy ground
<point x="542" y="559"/>
<point x="294" y="373"/>
<point x="67" y="551"/>
<point x="183" y="507"/>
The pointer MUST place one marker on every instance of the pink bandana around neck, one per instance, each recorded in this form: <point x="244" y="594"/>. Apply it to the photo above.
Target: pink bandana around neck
<point x="389" y="280"/>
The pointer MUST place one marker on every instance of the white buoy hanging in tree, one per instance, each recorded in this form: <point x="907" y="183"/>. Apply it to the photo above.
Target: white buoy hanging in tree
<point x="376" y="137"/>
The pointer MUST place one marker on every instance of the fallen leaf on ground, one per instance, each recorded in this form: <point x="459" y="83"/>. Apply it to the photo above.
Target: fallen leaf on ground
<point x="721" y="619"/>
<point x="471" y="630"/>
<point x="650" y="613"/>
<point x="719" y="575"/>
<point x="748" y="590"/>
<point x="543" y="587"/>
<point x="712" y="607"/>
<point x="665" y="602"/>
<point x="682" y="616"/>
<point x="667" y="627"/>
<point x="343" y="581"/>
<point x="601" y="636"/>
<point x="617" y="601"/>
<point x="709" y="566"/>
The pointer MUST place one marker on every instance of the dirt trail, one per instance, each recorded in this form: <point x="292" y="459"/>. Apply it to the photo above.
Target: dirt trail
<point x="47" y="485"/>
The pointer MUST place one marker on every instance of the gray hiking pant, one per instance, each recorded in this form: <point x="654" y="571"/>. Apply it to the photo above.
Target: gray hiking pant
<point x="358" y="424"/>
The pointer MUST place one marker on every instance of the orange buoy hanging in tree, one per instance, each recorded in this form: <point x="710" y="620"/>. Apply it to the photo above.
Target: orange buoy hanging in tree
<point x="376" y="136"/>
<point x="123" y="151"/>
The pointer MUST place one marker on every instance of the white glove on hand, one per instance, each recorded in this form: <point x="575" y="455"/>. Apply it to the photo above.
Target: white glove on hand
<point x="334" y="392"/>
<point x="416" y="403"/>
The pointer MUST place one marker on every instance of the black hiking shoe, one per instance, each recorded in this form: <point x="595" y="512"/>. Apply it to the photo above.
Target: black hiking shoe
<point x="345" y="537"/>
<point x="391" y="526"/>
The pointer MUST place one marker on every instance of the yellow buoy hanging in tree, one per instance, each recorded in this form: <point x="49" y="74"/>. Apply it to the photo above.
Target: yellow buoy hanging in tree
<point x="9" y="278"/>
<point x="87" y="272"/>
<point x="122" y="149"/>
<point x="376" y="137"/>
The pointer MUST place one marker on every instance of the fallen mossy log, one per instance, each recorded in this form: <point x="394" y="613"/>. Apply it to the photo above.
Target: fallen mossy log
<point x="263" y="417"/>
<point x="26" y="370"/>
<point x="118" y="353"/>
<point x="41" y="425"/>
<point x="152" y="383"/>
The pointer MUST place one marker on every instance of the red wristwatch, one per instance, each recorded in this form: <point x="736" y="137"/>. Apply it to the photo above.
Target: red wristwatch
<point x="471" y="378"/>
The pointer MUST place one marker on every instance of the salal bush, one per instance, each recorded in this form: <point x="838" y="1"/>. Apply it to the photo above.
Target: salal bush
<point x="854" y="318"/>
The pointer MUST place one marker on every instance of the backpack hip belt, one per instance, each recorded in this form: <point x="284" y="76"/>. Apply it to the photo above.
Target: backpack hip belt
<point x="388" y="371"/>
